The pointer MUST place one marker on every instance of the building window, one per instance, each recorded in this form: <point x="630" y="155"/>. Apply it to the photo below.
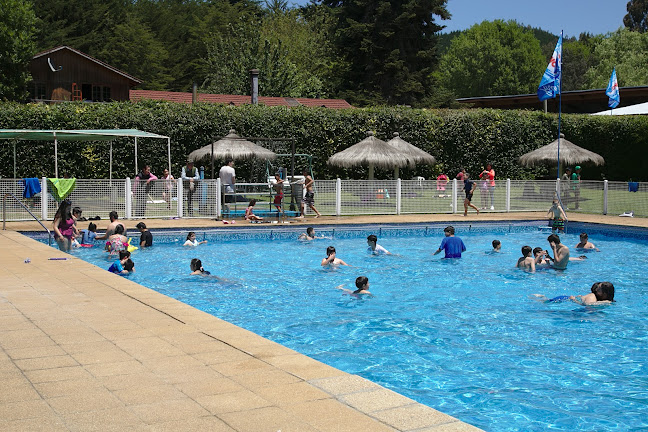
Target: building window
<point x="106" y="94"/>
<point x="101" y="94"/>
<point x="96" y="93"/>
<point x="37" y="90"/>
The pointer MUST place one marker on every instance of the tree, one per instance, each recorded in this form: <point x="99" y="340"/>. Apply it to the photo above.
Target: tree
<point x="387" y="48"/>
<point x="636" y="19"/>
<point x="17" y="46"/>
<point x="625" y="50"/>
<point x="578" y="56"/>
<point x="493" y="58"/>
<point x="134" y="49"/>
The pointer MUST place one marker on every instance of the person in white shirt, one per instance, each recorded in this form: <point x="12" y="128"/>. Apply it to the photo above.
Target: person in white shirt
<point x="190" y="178"/>
<point x="374" y="247"/>
<point x="227" y="176"/>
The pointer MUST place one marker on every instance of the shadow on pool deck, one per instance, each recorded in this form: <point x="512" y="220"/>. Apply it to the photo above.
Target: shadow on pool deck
<point x="84" y="349"/>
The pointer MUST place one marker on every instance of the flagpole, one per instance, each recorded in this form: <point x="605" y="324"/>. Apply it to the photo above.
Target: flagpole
<point x="559" y="111"/>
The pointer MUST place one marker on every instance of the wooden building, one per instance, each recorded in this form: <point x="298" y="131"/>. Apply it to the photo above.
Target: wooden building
<point x="63" y="74"/>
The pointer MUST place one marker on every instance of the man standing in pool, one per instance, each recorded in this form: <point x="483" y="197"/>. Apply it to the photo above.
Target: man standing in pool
<point x="453" y="245"/>
<point x="560" y="251"/>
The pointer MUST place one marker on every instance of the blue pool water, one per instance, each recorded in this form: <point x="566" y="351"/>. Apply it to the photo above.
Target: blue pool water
<point x="462" y="336"/>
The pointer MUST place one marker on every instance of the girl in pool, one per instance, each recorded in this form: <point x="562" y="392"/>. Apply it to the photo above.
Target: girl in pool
<point x="117" y="241"/>
<point x="602" y="294"/>
<point x="197" y="268"/>
<point x="249" y="212"/>
<point x="191" y="240"/>
<point x="64" y="226"/>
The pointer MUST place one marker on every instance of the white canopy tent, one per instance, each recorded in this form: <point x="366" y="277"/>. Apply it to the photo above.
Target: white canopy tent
<point x="80" y="135"/>
<point x="637" y="109"/>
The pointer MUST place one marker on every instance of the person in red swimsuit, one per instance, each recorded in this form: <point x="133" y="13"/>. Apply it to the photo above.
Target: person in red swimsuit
<point x="64" y="229"/>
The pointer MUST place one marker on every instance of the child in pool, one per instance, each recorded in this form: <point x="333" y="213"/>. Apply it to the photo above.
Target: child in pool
<point x="527" y="261"/>
<point x="88" y="235"/>
<point x="362" y="285"/>
<point x="374" y="247"/>
<point x="191" y="240"/>
<point x="585" y="243"/>
<point x="602" y="293"/>
<point x="120" y="266"/>
<point x="309" y="234"/>
<point x="197" y="268"/>
<point x="497" y="246"/>
<point x="331" y="259"/>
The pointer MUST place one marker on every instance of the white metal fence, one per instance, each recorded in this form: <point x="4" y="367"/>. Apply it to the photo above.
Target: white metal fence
<point x="168" y="199"/>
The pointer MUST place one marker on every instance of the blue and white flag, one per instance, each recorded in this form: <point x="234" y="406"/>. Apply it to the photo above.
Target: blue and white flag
<point x="550" y="84"/>
<point x="613" y="91"/>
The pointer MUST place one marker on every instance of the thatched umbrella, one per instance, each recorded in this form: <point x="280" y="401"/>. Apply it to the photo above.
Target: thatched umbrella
<point x="419" y="156"/>
<point x="373" y="152"/>
<point x="230" y="146"/>
<point x="570" y="154"/>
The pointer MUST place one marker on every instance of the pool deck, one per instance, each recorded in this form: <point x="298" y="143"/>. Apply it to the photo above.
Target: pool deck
<point x="83" y="349"/>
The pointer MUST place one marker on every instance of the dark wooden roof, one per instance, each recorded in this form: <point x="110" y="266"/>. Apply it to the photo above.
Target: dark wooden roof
<point x="131" y="78"/>
<point x="575" y="101"/>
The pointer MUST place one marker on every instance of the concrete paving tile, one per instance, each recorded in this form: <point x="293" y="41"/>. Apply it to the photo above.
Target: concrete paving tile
<point x="196" y="342"/>
<point x="51" y="423"/>
<point x="148" y="348"/>
<point x="375" y="400"/>
<point x="114" y="419"/>
<point x="304" y="367"/>
<point x="242" y="367"/>
<point x="24" y="410"/>
<point x="24" y="338"/>
<point x="17" y="390"/>
<point x="76" y="337"/>
<point x="291" y="394"/>
<point x="74" y="348"/>
<point x="413" y="417"/>
<point x="200" y="424"/>
<point x="455" y="426"/>
<point x="35" y="352"/>
<point x="91" y="400"/>
<point x="264" y="420"/>
<point x="64" y="388"/>
<point x="137" y="380"/>
<point x="51" y="362"/>
<point x="14" y="322"/>
<point x="221" y="356"/>
<point x="58" y="374"/>
<point x="269" y="350"/>
<point x="116" y="335"/>
<point x="243" y="400"/>
<point x="113" y="355"/>
<point x="117" y="368"/>
<point x="172" y="410"/>
<point x="149" y="394"/>
<point x="344" y="384"/>
<point x="196" y="389"/>
<point x="269" y="378"/>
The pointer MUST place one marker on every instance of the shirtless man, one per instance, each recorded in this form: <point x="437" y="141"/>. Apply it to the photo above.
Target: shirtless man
<point x="526" y="261"/>
<point x="278" y="187"/>
<point x="585" y="243"/>
<point x="309" y="234"/>
<point x="309" y="198"/>
<point x="557" y="216"/>
<point x="110" y="230"/>
<point x="560" y="251"/>
<point x="331" y="259"/>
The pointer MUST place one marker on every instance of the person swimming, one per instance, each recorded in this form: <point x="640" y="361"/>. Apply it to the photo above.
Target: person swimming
<point x="601" y="293"/>
<point x="331" y="260"/>
<point x="362" y="287"/>
<point x="197" y="268"/>
<point x="191" y="240"/>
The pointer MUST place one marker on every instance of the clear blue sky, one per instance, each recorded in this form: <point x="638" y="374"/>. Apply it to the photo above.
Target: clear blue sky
<point x="572" y="16"/>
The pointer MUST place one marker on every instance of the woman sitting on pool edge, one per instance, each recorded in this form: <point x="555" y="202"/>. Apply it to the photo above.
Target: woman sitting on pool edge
<point x="331" y="259"/>
<point x="191" y="240"/>
<point x="602" y="294"/>
<point x="197" y="268"/>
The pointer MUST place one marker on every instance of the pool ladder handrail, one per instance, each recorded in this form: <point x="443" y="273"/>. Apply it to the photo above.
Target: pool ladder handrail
<point x="4" y="215"/>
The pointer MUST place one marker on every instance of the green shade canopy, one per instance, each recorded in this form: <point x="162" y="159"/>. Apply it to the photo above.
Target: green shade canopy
<point x="79" y="135"/>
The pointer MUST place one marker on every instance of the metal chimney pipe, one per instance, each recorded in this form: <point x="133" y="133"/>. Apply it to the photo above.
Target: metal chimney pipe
<point x="194" y="96"/>
<point x="254" y="83"/>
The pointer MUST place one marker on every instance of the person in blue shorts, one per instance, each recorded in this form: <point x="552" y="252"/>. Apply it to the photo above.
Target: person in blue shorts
<point x="120" y="265"/>
<point x="452" y="245"/>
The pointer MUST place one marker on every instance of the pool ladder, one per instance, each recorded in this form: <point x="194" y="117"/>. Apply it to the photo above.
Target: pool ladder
<point x="4" y="215"/>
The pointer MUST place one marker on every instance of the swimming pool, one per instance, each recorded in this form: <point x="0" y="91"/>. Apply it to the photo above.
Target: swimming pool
<point x="462" y="336"/>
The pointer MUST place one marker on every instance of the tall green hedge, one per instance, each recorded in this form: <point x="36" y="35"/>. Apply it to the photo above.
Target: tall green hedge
<point x="457" y="138"/>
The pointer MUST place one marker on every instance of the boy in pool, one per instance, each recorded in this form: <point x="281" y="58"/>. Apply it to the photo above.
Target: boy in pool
<point x="374" y="247"/>
<point x="526" y="261"/>
<point x="362" y="285"/>
<point x="119" y="266"/>
<point x="585" y="243"/>
<point x="197" y="268"/>
<point x="542" y="258"/>
<point x="331" y="259"/>
<point x="453" y="245"/>
<point x="497" y="246"/>
<point x="557" y="217"/>
<point x="602" y="293"/>
<point x="561" y="252"/>
<point x="309" y="234"/>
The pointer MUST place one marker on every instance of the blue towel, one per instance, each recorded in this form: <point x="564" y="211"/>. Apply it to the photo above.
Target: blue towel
<point x="633" y="186"/>
<point x="32" y="187"/>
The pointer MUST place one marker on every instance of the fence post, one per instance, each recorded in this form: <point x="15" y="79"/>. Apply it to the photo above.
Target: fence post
<point x="605" y="196"/>
<point x="398" y="196"/>
<point x="219" y="195"/>
<point x="180" y="195"/>
<point x="128" y="198"/>
<point x="454" y="195"/>
<point x="508" y="195"/>
<point x="44" y="198"/>
<point x="338" y="197"/>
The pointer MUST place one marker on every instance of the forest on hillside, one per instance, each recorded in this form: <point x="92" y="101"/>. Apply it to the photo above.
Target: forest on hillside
<point x="370" y="52"/>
